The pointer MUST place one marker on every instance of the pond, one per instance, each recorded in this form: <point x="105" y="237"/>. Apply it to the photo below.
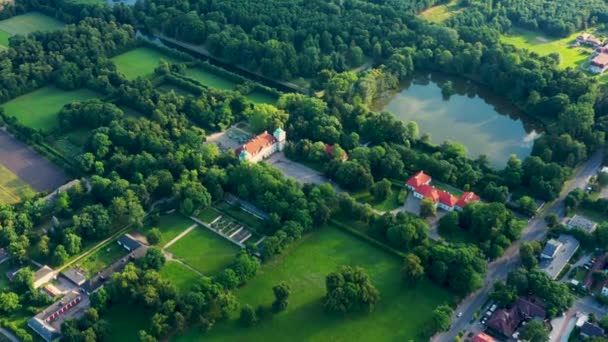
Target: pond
<point x="474" y="117"/>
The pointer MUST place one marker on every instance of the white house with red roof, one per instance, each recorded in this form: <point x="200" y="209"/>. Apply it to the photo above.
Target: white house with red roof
<point x="421" y="188"/>
<point x="262" y="146"/>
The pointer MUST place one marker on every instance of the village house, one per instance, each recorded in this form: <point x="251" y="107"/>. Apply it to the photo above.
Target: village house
<point x="48" y="322"/>
<point x="262" y="146"/>
<point x="506" y="321"/>
<point x="588" y="39"/>
<point x="42" y="276"/>
<point x="420" y="186"/>
<point x="556" y="254"/>
<point x="483" y="337"/>
<point x="599" y="63"/>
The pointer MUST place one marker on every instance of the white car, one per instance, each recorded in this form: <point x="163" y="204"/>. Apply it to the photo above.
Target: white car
<point x="459" y="315"/>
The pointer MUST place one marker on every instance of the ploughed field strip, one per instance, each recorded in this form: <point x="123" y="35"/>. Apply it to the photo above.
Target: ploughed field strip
<point x="32" y="168"/>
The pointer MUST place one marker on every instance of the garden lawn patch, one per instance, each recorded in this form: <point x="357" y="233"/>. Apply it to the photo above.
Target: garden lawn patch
<point x="30" y="22"/>
<point x="12" y="188"/>
<point x="204" y="251"/>
<point x="388" y="204"/>
<point x="39" y="109"/>
<point x="441" y="13"/>
<point x="543" y="45"/>
<point x="102" y="258"/>
<point x="170" y="227"/>
<point x="210" y="79"/>
<point x="4" y="267"/>
<point x="71" y="145"/>
<point x="400" y="315"/>
<point x="242" y="216"/>
<point x="260" y="97"/>
<point x="179" y="275"/>
<point x="4" y="36"/>
<point x="141" y="62"/>
<point x="208" y="214"/>
<point x="125" y="321"/>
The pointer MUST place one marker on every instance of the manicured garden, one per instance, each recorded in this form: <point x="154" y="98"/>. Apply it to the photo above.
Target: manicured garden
<point x="399" y="315"/>
<point x="102" y="258"/>
<point x="12" y="188"/>
<point x="260" y="97"/>
<point x="210" y="79"/>
<point x="204" y="251"/>
<point x="543" y="45"/>
<point x="30" y="22"/>
<point x="391" y="203"/>
<point x="39" y="109"/>
<point x="241" y="216"/>
<point x="208" y="214"/>
<point x="170" y="227"/>
<point x="141" y="62"/>
<point x="179" y="275"/>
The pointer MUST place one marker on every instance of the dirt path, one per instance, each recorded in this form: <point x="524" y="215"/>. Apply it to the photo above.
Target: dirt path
<point x="181" y="235"/>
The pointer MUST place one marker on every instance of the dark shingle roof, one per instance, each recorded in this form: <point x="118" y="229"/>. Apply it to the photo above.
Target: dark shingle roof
<point x="129" y="243"/>
<point x="591" y="330"/>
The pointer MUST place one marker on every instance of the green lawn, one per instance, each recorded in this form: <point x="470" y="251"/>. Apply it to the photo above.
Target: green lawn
<point x="71" y="145"/>
<point x="30" y="22"/>
<point x="388" y="204"/>
<point x="210" y="79"/>
<point x="4" y="36"/>
<point x="170" y="227"/>
<point x="125" y="321"/>
<point x="165" y="88"/>
<point x="401" y="314"/>
<point x="4" y="267"/>
<point x="241" y="216"/>
<point x="543" y="45"/>
<point x="102" y="258"/>
<point x="259" y="97"/>
<point x="204" y="251"/>
<point x="208" y="214"/>
<point x="441" y="13"/>
<point x="39" y="108"/>
<point x="179" y="275"/>
<point x="140" y="62"/>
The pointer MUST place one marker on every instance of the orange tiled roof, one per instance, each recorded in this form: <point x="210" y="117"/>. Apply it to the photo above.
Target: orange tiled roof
<point x="466" y="198"/>
<point x="418" y="179"/>
<point x="258" y="143"/>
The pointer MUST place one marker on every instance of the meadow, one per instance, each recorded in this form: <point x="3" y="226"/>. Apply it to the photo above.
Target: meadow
<point x="39" y="109"/>
<point x="210" y="79"/>
<point x="204" y="251"/>
<point x="12" y="188"/>
<point x="141" y="62"/>
<point x="29" y="22"/>
<point x="397" y="317"/>
<point x="102" y="258"/>
<point x="259" y="97"/>
<point x="170" y="226"/>
<point x="179" y="275"/>
<point x="543" y="45"/>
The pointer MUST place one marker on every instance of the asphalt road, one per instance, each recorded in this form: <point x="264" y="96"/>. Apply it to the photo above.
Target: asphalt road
<point x="500" y="268"/>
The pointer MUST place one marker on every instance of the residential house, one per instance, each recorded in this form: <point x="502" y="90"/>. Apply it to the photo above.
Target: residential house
<point x="556" y="254"/>
<point x="466" y="198"/>
<point x="129" y="243"/>
<point x="76" y="275"/>
<point x="42" y="276"/>
<point x="95" y="283"/>
<point x="262" y="146"/>
<point x="591" y="330"/>
<point x="506" y="321"/>
<point x="581" y="222"/>
<point x="48" y="322"/>
<point x="599" y="63"/>
<point x="420" y="186"/>
<point x="588" y="39"/>
<point x="483" y="337"/>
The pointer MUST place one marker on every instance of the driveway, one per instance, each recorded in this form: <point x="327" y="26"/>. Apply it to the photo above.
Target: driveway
<point x="298" y="171"/>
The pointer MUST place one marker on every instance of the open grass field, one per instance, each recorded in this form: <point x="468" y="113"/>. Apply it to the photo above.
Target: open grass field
<point x="399" y="315"/>
<point x="39" y="108"/>
<point x="4" y="36"/>
<point x="12" y="188"/>
<point x="210" y="79"/>
<point x="543" y="45"/>
<point x="170" y="227"/>
<point x="440" y="13"/>
<point x="179" y="275"/>
<point x="140" y="62"/>
<point x="125" y="321"/>
<point x="30" y="22"/>
<point x="204" y="251"/>
<point x="388" y="204"/>
<point x="259" y="97"/>
<point x="102" y="258"/>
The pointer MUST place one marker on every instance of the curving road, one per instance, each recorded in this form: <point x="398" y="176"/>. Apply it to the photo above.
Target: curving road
<point x="500" y="268"/>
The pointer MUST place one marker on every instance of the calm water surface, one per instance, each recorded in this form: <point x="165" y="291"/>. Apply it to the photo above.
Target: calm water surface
<point x="481" y="121"/>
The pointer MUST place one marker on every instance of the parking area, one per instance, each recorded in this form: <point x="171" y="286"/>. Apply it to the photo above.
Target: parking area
<point x="229" y="139"/>
<point x="297" y="171"/>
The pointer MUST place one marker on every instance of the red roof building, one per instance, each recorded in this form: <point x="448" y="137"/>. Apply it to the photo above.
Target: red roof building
<point x="447" y="200"/>
<point x="466" y="198"/>
<point x="417" y="180"/>
<point x="262" y="146"/>
<point x="427" y="191"/>
<point x="599" y="63"/>
<point x="482" y="337"/>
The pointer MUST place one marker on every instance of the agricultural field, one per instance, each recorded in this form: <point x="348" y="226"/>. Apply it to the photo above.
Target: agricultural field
<point x="12" y="189"/>
<point x="39" y="108"/>
<point x="543" y="45"/>
<point x="210" y="79"/>
<point x="204" y="251"/>
<point x="170" y="227"/>
<point x="439" y="14"/>
<point x="399" y="315"/>
<point x="179" y="275"/>
<point x="141" y="62"/>
<point x="102" y="258"/>
<point x="27" y="165"/>
<point x="25" y="24"/>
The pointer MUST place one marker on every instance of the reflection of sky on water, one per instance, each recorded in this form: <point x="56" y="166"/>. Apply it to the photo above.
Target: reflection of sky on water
<point x="465" y="118"/>
<point x="126" y="2"/>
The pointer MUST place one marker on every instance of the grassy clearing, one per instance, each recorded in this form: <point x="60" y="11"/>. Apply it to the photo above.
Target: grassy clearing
<point x="125" y="321"/>
<point x="165" y="88"/>
<point x="400" y="315"/>
<point x="259" y="97"/>
<point x="30" y="22"/>
<point x="4" y="36"/>
<point x="4" y="267"/>
<point x="242" y="216"/>
<point x="208" y="214"/>
<point x="170" y="227"/>
<point x="441" y="13"/>
<point x="102" y="258"/>
<point x="39" y="108"/>
<point x="388" y="204"/>
<point x="543" y="45"/>
<point x="204" y="251"/>
<point x="140" y="62"/>
<point x="12" y="188"/>
<point x="210" y="79"/>
<point x="179" y="275"/>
